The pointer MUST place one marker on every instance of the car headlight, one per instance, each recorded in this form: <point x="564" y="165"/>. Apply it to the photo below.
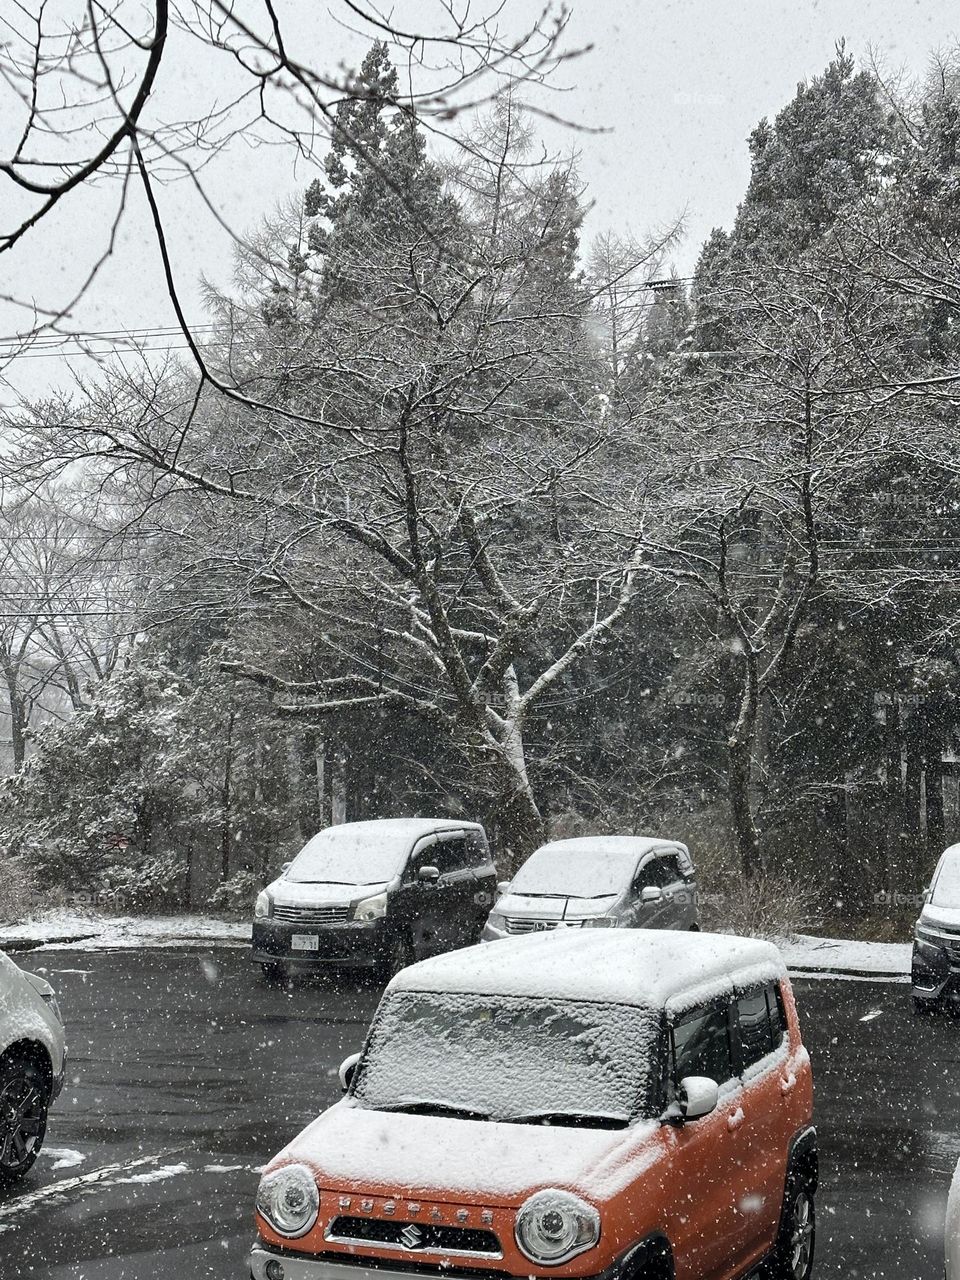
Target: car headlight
<point x="600" y="922"/>
<point x="553" y="1226"/>
<point x="929" y="936"/>
<point x="289" y="1200"/>
<point x="263" y="907"/>
<point x="374" y="908"/>
<point x="497" y="920"/>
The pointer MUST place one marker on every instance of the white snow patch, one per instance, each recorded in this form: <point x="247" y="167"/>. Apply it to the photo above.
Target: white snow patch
<point x="843" y="957"/>
<point x="93" y="931"/>
<point x="62" y="1157"/>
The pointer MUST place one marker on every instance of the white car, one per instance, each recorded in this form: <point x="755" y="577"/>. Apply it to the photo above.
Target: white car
<point x="952" y="1231"/>
<point x="33" y="1061"/>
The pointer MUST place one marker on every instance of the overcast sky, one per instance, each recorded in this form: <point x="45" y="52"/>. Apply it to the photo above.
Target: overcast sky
<point x="678" y="85"/>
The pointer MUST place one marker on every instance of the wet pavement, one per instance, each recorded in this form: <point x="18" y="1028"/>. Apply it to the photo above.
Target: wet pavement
<point x="187" y="1073"/>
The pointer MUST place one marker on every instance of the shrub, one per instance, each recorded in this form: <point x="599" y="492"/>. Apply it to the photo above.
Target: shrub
<point x="18" y="890"/>
<point x="237" y="895"/>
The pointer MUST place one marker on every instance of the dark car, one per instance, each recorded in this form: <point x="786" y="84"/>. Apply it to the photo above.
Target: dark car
<point x="384" y="892"/>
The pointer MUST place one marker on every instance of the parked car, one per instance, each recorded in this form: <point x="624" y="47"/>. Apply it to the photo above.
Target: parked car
<point x="384" y="892"/>
<point x="952" y="1230"/>
<point x="33" y="1061"/>
<point x="599" y="882"/>
<point x="588" y="1104"/>
<point x="936" y="943"/>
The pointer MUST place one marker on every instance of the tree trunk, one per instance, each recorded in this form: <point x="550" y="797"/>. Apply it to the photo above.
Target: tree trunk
<point x="739" y="793"/>
<point x="338" y="790"/>
<point x="933" y="775"/>
<point x="913" y="851"/>
<point x="227" y="803"/>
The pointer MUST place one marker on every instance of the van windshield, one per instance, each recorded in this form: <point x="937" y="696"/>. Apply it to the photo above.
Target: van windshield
<point x="341" y="856"/>
<point x="946" y="890"/>
<point x="507" y="1058"/>
<point x="575" y="873"/>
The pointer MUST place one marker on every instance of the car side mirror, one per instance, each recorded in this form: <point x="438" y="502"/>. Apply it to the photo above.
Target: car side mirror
<point x="428" y="875"/>
<point x="927" y="894"/>
<point x="285" y="867"/>
<point x="697" y="1096"/>
<point x="347" y="1067"/>
<point x="651" y="893"/>
<point x="502" y="887"/>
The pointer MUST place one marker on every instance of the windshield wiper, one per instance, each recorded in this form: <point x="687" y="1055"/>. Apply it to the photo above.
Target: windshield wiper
<point x="433" y="1107"/>
<point x="575" y="1119"/>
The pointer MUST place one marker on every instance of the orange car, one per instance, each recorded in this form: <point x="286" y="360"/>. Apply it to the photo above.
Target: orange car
<point x="630" y="1105"/>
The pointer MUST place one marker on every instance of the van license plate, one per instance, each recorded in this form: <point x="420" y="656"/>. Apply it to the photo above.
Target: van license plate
<point x="305" y="942"/>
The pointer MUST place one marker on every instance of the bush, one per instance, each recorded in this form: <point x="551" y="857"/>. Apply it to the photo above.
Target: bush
<point x="771" y="905"/>
<point x="155" y="884"/>
<point x="18" y="890"/>
<point x="237" y="895"/>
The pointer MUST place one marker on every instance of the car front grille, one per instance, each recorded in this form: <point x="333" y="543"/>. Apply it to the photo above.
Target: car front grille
<point x="312" y="915"/>
<point x="530" y="924"/>
<point x="414" y="1237"/>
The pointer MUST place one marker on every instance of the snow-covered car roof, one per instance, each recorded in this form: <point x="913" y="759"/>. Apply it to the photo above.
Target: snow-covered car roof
<point x="655" y="968"/>
<point x="398" y="831"/>
<point x="626" y="847"/>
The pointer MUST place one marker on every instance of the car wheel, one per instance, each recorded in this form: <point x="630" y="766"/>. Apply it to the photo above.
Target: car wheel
<point x="24" y="1099"/>
<point x="274" y="971"/>
<point x="796" y="1239"/>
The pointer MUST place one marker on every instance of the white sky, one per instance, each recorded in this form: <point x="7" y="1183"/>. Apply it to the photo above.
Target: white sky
<point x="678" y="84"/>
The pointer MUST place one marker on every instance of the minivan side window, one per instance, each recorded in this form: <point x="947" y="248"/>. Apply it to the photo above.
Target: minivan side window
<point x="649" y="876"/>
<point x="453" y="855"/>
<point x="478" y="855"/>
<point x="701" y="1045"/>
<point x="753" y="1018"/>
<point x="670" y="864"/>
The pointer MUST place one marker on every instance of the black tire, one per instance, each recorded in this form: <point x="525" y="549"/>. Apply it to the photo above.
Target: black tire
<point x="694" y="928"/>
<point x="24" y="1102"/>
<point x="794" y="1251"/>
<point x="274" y="971"/>
<point x="397" y="955"/>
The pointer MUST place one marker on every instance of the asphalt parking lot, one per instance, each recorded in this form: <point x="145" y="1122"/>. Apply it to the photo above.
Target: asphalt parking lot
<point x="187" y="1073"/>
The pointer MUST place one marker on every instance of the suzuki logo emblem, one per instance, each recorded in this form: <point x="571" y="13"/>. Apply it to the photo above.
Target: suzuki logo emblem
<point x="411" y="1237"/>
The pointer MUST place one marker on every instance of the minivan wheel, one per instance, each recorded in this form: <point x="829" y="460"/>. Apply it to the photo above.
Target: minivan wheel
<point x="793" y="1254"/>
<point x="24" y="1099"/>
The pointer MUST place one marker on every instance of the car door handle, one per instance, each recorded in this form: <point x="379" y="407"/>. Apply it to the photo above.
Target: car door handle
<point x="788" y="1083"/>
<point x="735" y="1119"/>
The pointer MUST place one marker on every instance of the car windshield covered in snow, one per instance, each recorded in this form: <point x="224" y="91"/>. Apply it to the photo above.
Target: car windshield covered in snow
<point x="509" y="1058"/>
<point x="575" y="872"/>
<point x="342" y="855"/>
<point x="946" y="890"/>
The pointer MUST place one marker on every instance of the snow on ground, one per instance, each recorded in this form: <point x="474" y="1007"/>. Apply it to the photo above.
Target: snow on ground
<point x="839" y="957"/>
<point x="90" y="931"/>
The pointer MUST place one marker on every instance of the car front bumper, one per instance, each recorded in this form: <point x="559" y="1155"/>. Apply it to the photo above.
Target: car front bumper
<point x="935" y="972"/>
<point x="358" y="941"/>
<point x="302" y="1266"/>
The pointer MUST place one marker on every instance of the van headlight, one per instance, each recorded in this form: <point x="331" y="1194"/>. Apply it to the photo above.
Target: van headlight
<point x="289" y="1200"/>
<point x="554" y="1226"/>
<point x="600" y="922"/>
<point x="263" y="907"/>
<point x="374" y="908"/>
<point x="929" y="936"/>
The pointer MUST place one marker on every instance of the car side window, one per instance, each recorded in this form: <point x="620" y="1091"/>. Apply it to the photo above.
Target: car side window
<point x="778" y="1014"/>
<point x="756" y="1030"/>
<point x="701" y="1045"/>
<point x="453" y="855"/>
<point x="424" y="855"/>
<point x="670" y="868"/>
<point x="649" y="876"/>
<point x="477" y="853"/>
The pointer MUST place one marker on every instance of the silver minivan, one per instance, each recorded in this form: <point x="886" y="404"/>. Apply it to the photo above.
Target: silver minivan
<point x="599" y="882"/>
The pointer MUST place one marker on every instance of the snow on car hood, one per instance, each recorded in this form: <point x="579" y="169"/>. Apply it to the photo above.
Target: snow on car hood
<point x="295" y="893"/>
<point x="351" y="1148"/>
<point x="947" y="916"/>
<point x="553" y="908"/>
